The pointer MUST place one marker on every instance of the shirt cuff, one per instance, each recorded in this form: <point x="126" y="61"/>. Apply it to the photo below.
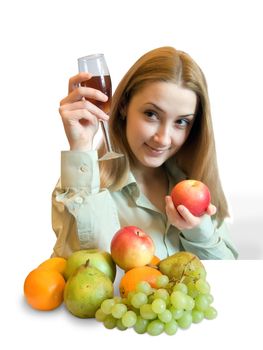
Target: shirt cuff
<point x="80" y="170"/>
<point x="201" y="233"/>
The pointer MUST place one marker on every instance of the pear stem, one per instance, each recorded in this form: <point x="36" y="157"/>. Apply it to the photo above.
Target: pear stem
<point x="87" y="263"/>
<point x="185" y="267"/>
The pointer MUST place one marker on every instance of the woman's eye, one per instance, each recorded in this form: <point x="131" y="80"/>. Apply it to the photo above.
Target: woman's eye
<point x="183" y="123"/>
<point x="151" y="114"/>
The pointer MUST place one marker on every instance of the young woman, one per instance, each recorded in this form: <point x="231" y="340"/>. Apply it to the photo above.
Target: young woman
<point x="161" y="121"/>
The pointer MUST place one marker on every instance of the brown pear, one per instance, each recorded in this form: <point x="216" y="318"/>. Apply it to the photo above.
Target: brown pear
<point x="181" y="265"/>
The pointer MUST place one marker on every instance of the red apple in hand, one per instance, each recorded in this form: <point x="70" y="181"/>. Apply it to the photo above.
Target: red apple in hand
<point x="193" y="194"/>
<point x="131" y="247"/>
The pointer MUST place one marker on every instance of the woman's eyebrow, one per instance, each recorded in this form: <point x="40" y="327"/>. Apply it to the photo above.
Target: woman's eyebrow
<point x="161" y="110"/>
<point x="155" y="106"/>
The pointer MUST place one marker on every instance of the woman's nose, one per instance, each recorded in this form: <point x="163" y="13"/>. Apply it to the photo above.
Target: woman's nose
<point x="163" y="136"/>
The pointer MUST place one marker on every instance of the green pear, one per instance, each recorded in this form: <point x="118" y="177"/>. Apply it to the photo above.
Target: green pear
<point x="100" y="259"/>
<point x="181" y="265"/>
<point x="85" y="290"/>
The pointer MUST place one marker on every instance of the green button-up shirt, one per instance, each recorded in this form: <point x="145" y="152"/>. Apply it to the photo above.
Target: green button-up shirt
<point x="85" y="216"/>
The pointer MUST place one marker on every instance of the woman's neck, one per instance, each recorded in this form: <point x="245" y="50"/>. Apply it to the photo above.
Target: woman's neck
<point x="144" y="174"/>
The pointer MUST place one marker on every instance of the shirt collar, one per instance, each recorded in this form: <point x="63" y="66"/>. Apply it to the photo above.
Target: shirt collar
<point x="175" y="174"/>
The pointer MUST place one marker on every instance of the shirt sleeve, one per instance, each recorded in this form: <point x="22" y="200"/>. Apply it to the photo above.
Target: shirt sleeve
<point x="83" y="215"/>
<point x="209" y="241"/>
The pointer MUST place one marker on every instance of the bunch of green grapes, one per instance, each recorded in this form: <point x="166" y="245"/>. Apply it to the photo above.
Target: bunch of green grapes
<point x="164" y="309"/>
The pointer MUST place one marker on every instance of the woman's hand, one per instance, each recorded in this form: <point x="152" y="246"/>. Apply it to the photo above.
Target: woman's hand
<point x="81" y="117"/>
<point x="182" y="218"/>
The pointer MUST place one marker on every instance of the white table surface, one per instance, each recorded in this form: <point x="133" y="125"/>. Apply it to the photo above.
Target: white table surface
<point x="238" y="297"/>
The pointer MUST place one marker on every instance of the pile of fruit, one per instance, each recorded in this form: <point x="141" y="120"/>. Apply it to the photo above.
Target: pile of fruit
<point x="173" y="297"/>
<point x="155" y="296"/>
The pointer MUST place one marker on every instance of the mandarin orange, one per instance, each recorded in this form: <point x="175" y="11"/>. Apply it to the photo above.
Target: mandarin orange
<point x="155" y="261"/>
<point x="132" y="277"/>
<point x="56" y="263"/>
<point x="43" y="289"/>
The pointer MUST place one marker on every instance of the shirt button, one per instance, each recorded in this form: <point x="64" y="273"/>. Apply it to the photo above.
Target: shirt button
<point x="78" y="200"/>
<point x="83" y="168"/>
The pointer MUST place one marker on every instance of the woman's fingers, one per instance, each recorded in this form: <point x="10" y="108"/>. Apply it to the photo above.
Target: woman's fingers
<point x="173" y="213"/>
<point x="189" y="219"/>
<point x="83" y="105"/>
<point x="75" y="81"/>
<point x="180" y="216"/>
<point x="211" y="210"/>
<point x="89" y="93"/>
<point x="78" y="114"/>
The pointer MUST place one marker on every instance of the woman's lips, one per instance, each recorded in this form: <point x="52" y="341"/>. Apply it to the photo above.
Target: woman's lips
<point x="157" y="151"/>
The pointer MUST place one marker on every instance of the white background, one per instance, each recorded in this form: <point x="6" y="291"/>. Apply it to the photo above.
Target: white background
<point x="40" y="43"/>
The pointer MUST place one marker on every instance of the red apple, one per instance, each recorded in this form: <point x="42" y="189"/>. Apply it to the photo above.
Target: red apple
<point x="131" y="247"/>
<point x="193" y="194"/>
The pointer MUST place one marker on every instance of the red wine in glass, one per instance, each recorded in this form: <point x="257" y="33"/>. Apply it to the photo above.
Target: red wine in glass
<point x="100" y="80"/>
<point x="102" y="83"/>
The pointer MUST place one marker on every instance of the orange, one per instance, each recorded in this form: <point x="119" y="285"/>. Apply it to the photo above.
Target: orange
<point x="155" y="261"/>
<point x="43" y="289"/>
<point x="57" y="263"/>
<point x="132" y="277"/>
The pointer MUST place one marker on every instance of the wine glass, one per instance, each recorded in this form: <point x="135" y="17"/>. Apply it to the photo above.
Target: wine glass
<point x="100" y="80"/>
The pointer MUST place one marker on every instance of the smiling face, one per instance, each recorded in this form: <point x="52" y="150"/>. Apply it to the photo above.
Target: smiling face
<point x="159" y="119"/>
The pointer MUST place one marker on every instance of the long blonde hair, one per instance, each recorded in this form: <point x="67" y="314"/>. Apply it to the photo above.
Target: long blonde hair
<point x="197" y="157"/>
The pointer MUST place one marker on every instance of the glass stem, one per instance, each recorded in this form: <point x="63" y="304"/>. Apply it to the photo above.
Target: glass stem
<point x="106" y="136"/>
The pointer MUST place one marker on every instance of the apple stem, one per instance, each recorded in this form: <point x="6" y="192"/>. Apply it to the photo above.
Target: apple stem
<point x="87" y="263"/>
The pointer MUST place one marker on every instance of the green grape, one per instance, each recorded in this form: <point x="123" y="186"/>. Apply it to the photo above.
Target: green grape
<point x="202" y="286"/>
<point x="190" y="303"/>
<point x="171" y="327"/>
<point x="201" y="302"/>
<point x="165" y="316"/>
<point x="186" y="280"/>
<point x="118" y="310"/>
<point x="109" y="322"/>
<point x="147" y="313"/>
<point x="210" y="313"/>
<point x="144" y="287"/>
<point x="186" y="320"/>
<point x="141" y="324"/>
<point x="125" y="301"/>
<point x="120" y="325"/>
<point x="210" y="298"/>
<point x="155" y="327"/>
<point x="129" y="297"/>
<point x="192" y="291"/>
<point x="181" y="287"/>
<point x="129" y="319"/>
<point x="139" y="299"/>
<point x="197" y="273"/>
<point x="176" y="313"/>
<point x="137" y="311"/>
<point x="107" y="305"/>
<point x="100" y="315"/>
<point x="158" y="306"/>
<point x="162" y="293"/>
<point x="150" y="298"/>
<point x="117" y="299"/>
<point x="178" y="299"/>
<point x="197" y="316"/>
<point x="162" y="281"/>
